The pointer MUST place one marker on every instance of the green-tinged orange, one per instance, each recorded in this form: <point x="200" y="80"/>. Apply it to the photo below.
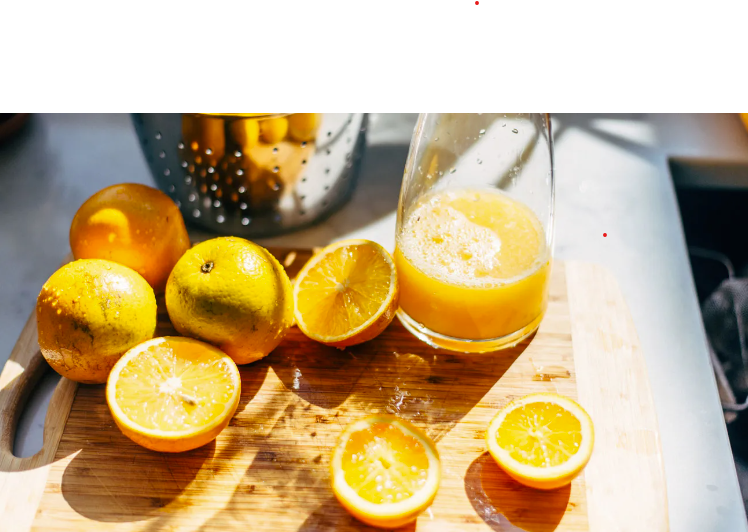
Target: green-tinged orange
<point x="233" y="294"/>
<point x="89" y="312"/>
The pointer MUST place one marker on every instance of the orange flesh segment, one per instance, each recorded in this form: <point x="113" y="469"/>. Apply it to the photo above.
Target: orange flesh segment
<point x="384" y="465"/>
<point x="344" y="290"/>
<point x="160" y="389"/>
<point x="540" y="434"/>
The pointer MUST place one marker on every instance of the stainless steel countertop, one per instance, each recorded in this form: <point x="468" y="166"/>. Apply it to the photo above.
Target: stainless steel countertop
<point x="612" y="177"/>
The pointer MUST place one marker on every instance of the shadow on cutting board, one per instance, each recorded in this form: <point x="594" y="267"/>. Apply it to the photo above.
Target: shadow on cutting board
<point x="132" y="492"/>
<point x="395" y="374"/>
<point x="289" y="474"/>
<point x="505" y="505"/>
<point x="331" y="516"/>
<point x="271" y="464"/>
<point x="142" y="482"/>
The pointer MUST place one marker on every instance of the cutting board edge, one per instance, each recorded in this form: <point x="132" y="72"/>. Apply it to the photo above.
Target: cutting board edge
<point x="586" y="341"/>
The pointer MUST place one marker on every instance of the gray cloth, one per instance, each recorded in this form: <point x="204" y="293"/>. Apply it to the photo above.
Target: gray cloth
<point x="725" y="314"/>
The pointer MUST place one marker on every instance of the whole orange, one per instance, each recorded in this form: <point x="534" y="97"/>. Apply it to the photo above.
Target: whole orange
<point x="88" y="313"/>
<point x="233" y="294"/>
<point x="135" y="225"/>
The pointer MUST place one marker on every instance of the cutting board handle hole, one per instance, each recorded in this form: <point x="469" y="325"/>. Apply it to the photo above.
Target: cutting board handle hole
<point x="30" y="428"/>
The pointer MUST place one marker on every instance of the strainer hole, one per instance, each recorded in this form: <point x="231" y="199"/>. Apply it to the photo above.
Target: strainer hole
<point x="196" y="213"/>
<point x="188" y="180"/>
<point x="237" y="153"/>
<point x="158" y="135"/>
<point x="192" y="197"/>
<point x="303" y="161"/>
<point x="213" y="187"/>
<point x="184" y="164"/>
<point x="303" y="144"/>
<point x="348" y="156"/>
<point x="167" y="171"/>
<point x="217" y="204"/>
<point x="327" y="187"/>
<point x="208" y="151"/>
<point x="275" y="169"/>
<point x="241" y="190"/>
<point x="327" y="170"/>
<point x="180" y="145"/>
<point x="302" y="212"/>
<point x="329" y="133"/>
<point x="162" y="154"/>
<point x="243" y="206"/>
<point x="211" y="169"/>
<point x="239" y="171"/>
<point x="302" y="198"/>
<point x="328" y="151"/>
<point x="220" y="218"/>
<point x="177" y="203"/>
<point x="303" y="179"/>
<point x="172" y="188"/>
<point x="275" y="150"/>
<point x="245" y="221"/>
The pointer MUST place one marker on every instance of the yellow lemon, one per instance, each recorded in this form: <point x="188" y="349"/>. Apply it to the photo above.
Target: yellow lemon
<point x="273" y="130"/>
<point x="303" y="126"/>
<point x="245" y="133"/>
<point x="204" y="138"/>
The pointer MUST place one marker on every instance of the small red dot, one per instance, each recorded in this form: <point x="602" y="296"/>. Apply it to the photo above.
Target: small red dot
<point x="476" y="2"/>
<point x="605" y="234"/>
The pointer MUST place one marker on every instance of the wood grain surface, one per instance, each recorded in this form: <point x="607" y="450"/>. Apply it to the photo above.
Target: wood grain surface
<point x="269" y="469"/>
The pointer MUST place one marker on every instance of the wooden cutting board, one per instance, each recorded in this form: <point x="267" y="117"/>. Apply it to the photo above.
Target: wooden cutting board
<point x="269" y="469"/>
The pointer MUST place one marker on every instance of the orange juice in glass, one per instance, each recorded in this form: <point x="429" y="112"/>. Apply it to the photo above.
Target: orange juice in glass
<point x="473" y="242"/>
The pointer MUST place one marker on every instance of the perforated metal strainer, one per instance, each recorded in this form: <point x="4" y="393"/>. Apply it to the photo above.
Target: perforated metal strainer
<point x="254" y="175"/>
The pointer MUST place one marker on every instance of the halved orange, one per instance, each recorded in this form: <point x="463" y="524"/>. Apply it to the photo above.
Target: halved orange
<point x="385" y="471"/>
<point x="173" y="394"/>
<point x="347" y="293"/>
<point x="541" y="440"/>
